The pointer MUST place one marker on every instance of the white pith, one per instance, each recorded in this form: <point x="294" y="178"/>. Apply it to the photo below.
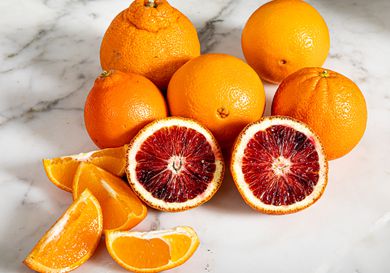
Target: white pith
<point x="83" y="157"/>
<point x="281" y="166"/>
<point x="243" y="187"/>
<point x="176" y="164"/>
<point x="146" y="195"/>
<point x="184" y="230"/>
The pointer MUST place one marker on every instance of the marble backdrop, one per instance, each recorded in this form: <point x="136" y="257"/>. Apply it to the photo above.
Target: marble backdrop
<point x="48" y="61"/>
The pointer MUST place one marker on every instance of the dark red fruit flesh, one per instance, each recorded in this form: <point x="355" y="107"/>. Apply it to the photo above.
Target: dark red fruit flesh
<point x="280" y="165"/>
<point x="175" y="164"/>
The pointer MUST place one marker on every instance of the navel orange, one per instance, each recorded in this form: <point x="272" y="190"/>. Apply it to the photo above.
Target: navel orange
<point x="283" y="36"/>
<point x="150" y="38"/>
<point x="330" y="103"/>
<point x="120" y="104"/>
<point x="220" y="91"/>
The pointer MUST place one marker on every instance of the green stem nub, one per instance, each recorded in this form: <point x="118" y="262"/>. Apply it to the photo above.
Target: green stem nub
<point x="105" y="73"/>
<point x="324" y="74"/>
<point x="150" y="4"/>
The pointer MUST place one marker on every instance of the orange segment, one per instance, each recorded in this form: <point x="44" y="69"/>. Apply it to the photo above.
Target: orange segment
<point x="61" y="170"/>
<point x="152" y="251"/>
<point x="121" y="207"/>
<point x="71" y="240"/>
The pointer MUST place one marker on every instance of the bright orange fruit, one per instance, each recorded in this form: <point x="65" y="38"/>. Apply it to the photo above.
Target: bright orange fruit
<point x="119" y="105"/>
<point x="330" y="103"/>
<point x="72" y="240"/>
<point x="283" y="36"/>
<point x="61" y="170"/>
<point x="152" y="251"/>
<point x="121" y="208"/>
<point x="220" y="91"/>
<point x="150" y="38"/>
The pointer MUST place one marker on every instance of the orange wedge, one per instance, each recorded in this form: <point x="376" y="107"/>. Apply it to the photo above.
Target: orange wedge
<point x="121" y="207"/>
<point x="61" y="170"/>
<point x="71" y="240"/>
<point x="152" y="251"/>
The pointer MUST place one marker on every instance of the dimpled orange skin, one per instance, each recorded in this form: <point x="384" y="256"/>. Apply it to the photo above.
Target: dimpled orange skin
<point x="283" y="36"/>
<point x="330" y="103"/>
<point x="119" y="105"/>
<point x="220" y="91"/>
<point x="150" y="41"/>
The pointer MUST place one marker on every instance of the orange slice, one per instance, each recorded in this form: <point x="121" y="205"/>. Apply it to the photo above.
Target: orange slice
<point x="279" y="166"/>
<point x="71" y="240"/>
<point x="61" y="170"/>
<point x="121" y="207"/>
<point x="152" y="251"/>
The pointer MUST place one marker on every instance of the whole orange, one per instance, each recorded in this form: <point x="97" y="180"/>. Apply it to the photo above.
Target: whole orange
<point x="220" y="91"/>
<point x="152" y="39"/>
<point x="330" y="103"/>
<point x="119" y="105"/>
<point x="283" y="36"/>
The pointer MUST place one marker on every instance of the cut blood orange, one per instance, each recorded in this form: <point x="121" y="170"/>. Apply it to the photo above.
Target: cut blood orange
<point x="279" y="165"/>
<point x="71" y="240"/>
<point x="174" y="164"/>
<point x="61" y="170"/>
<point x="152" y="251"/>
<point x="121" y="207"/>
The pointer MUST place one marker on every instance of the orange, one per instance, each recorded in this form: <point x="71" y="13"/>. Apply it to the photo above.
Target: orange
<point x="72" y="240"/>
<point x="152" y="251"/>
<point x="279" y="165"/>
<point x="174" y="164"/>
<point x="330" y="103"/>
<point x="61" y="170"/>
<point x="120" y="104"/>
<point x="121" y="207"/>
<point x="220" y="91"/>
<point x="283" y="36"/>
<point x="150" y="38"/>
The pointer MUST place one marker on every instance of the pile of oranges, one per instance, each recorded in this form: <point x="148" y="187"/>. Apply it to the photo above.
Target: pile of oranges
<point x="153" y="69"/>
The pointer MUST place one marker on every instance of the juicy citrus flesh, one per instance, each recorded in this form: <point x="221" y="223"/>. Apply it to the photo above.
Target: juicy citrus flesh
<point x="279" y="166"/>
<point x="119" y="105"/>
<point x="61" y="170"/>
<point x="174" y="164"/>
<point x="220" y="91"/>
<point x="150" y="41"/>
<point x="121" y="207"/>
<point x="152" y="251"/>
<point x="283" y="36"/>
<point x="330" y="103"/>
<point x="71" y="240"/>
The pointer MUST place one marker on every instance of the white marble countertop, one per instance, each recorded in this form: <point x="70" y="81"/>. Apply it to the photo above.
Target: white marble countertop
<point x="48" y="61"/>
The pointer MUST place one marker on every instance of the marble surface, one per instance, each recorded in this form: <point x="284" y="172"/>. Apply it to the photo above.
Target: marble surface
<point x="48" y="62"/>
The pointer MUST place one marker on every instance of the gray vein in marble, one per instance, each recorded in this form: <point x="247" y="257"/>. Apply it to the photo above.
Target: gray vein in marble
<point x="208" y="34"/>
<point x="42" y="106"/>
<point x="155" y="225"/>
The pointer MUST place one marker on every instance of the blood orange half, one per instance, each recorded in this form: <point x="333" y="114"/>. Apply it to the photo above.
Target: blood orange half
<point x="174" y="164"/>
<point x="279" y="165"/>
